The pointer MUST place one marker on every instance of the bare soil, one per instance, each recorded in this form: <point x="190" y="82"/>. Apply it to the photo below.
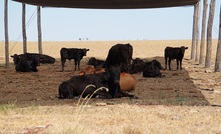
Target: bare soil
<point x="171" y="104"/>
<point x="41" y="88"/>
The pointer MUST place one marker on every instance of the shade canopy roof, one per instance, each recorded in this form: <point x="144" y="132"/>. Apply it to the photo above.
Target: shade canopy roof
<point x="110" y="4"/>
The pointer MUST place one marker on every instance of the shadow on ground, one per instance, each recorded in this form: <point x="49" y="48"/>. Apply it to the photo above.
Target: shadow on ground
<point x="41" y="88"/>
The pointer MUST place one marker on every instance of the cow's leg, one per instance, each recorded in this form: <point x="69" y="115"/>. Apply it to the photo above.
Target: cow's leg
<point x="102" y="94"/>
<point x="78" y="62"/>
<point x="124" y="94"/>
<point x="177" y="64"/>
<point x="62" y="64"/>
<point x="75" y="65"/>
<point x="169" y="63"/>
<point x="120" y="93"/>
<point x="166" y="63"/>
<point x="181" y="64"/>
<point x="70" y="92"/>
<point x="116" y="91"/>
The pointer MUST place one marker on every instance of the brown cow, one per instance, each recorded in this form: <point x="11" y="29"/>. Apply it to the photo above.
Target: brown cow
<point x="89" y="69"/>
<point x="127" y="82"/>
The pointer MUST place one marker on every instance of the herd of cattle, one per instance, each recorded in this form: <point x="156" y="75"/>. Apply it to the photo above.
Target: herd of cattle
<point x="110" y="78"/>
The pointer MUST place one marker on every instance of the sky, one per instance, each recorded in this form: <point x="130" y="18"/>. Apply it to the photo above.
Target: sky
<point x="72" y="24"/>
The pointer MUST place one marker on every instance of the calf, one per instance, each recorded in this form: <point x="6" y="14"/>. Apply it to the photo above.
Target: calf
<point x="95" y="62"/>
<point x="177" y="53"/>
<point x="72" y="53"/>
<point x="26" y="63"/>
<point x="110" y="79"/>
<point x="152" y="69"/>
<point x="119" y="54"/>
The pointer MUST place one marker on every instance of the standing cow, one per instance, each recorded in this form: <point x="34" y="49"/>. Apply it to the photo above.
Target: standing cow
<point x="177" y="53"/>
<point x="72" y="53"/>
<point x="119" y="54"/>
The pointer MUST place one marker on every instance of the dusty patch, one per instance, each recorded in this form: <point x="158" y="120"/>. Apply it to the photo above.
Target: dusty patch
<point x="41" y="88"/>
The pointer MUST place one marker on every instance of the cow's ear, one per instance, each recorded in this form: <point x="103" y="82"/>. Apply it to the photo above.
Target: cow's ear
<point x="12" y="56"/>
<point x="87" y="49"/>
<point x="186" y="47"/>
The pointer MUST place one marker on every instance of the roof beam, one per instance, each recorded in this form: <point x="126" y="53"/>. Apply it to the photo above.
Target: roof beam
<point x="110" y="4"/>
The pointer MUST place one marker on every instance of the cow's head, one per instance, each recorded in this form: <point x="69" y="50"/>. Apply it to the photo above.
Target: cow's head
<point x="114" y="72"/>
<point x="16" y="58"/>
<point x="31" y="61"/>
<point x="85" y="51"/>
<point x="183" y="49"/>
<point x="91" y="61"/>
<point x="157" y="64"/>
<point x="137" y="61"/>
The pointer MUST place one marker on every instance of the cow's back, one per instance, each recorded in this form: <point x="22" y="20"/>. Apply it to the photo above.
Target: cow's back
<point x="67" y="53"/>
<point x="173" y="53"/>
<point x="113" y="56"/>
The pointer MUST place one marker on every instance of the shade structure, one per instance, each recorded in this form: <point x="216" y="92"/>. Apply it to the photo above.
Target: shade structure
<point x="110" y="4"/>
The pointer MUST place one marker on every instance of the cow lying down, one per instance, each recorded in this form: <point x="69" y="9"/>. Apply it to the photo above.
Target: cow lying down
<point x="27" y="63"/>
<point x="127" y="81"/>
<point x="75" y="86"/>
<point x="152" y="69"/>
<point x="41" y="58"/>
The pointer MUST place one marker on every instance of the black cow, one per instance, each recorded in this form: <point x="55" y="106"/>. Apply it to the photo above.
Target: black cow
<point x="72" y="53"/>
<point x="27" y="63"/>
<point x="119" y="54"/>
<point x="138" y="65"/>
<point x="174" y="53"/>
<point x="75" y="86"/>
<point x="95" y="62"/>
<point x="152" y="69"/>
<point x="42" y="58"/>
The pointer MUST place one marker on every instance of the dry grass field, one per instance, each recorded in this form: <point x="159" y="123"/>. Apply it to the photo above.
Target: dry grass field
<point x="186" y="101"/>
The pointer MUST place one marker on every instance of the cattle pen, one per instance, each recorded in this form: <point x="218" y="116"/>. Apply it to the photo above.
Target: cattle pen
<point x="30" y="100"/>
<point x="183" y="101"/>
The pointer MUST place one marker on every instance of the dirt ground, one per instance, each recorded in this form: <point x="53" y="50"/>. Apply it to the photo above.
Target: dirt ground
<point x="41" y="88"/>
<point x="186" y="101"/>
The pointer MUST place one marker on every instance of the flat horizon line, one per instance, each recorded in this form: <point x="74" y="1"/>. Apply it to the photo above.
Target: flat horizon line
<point x="104" y="40"/>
